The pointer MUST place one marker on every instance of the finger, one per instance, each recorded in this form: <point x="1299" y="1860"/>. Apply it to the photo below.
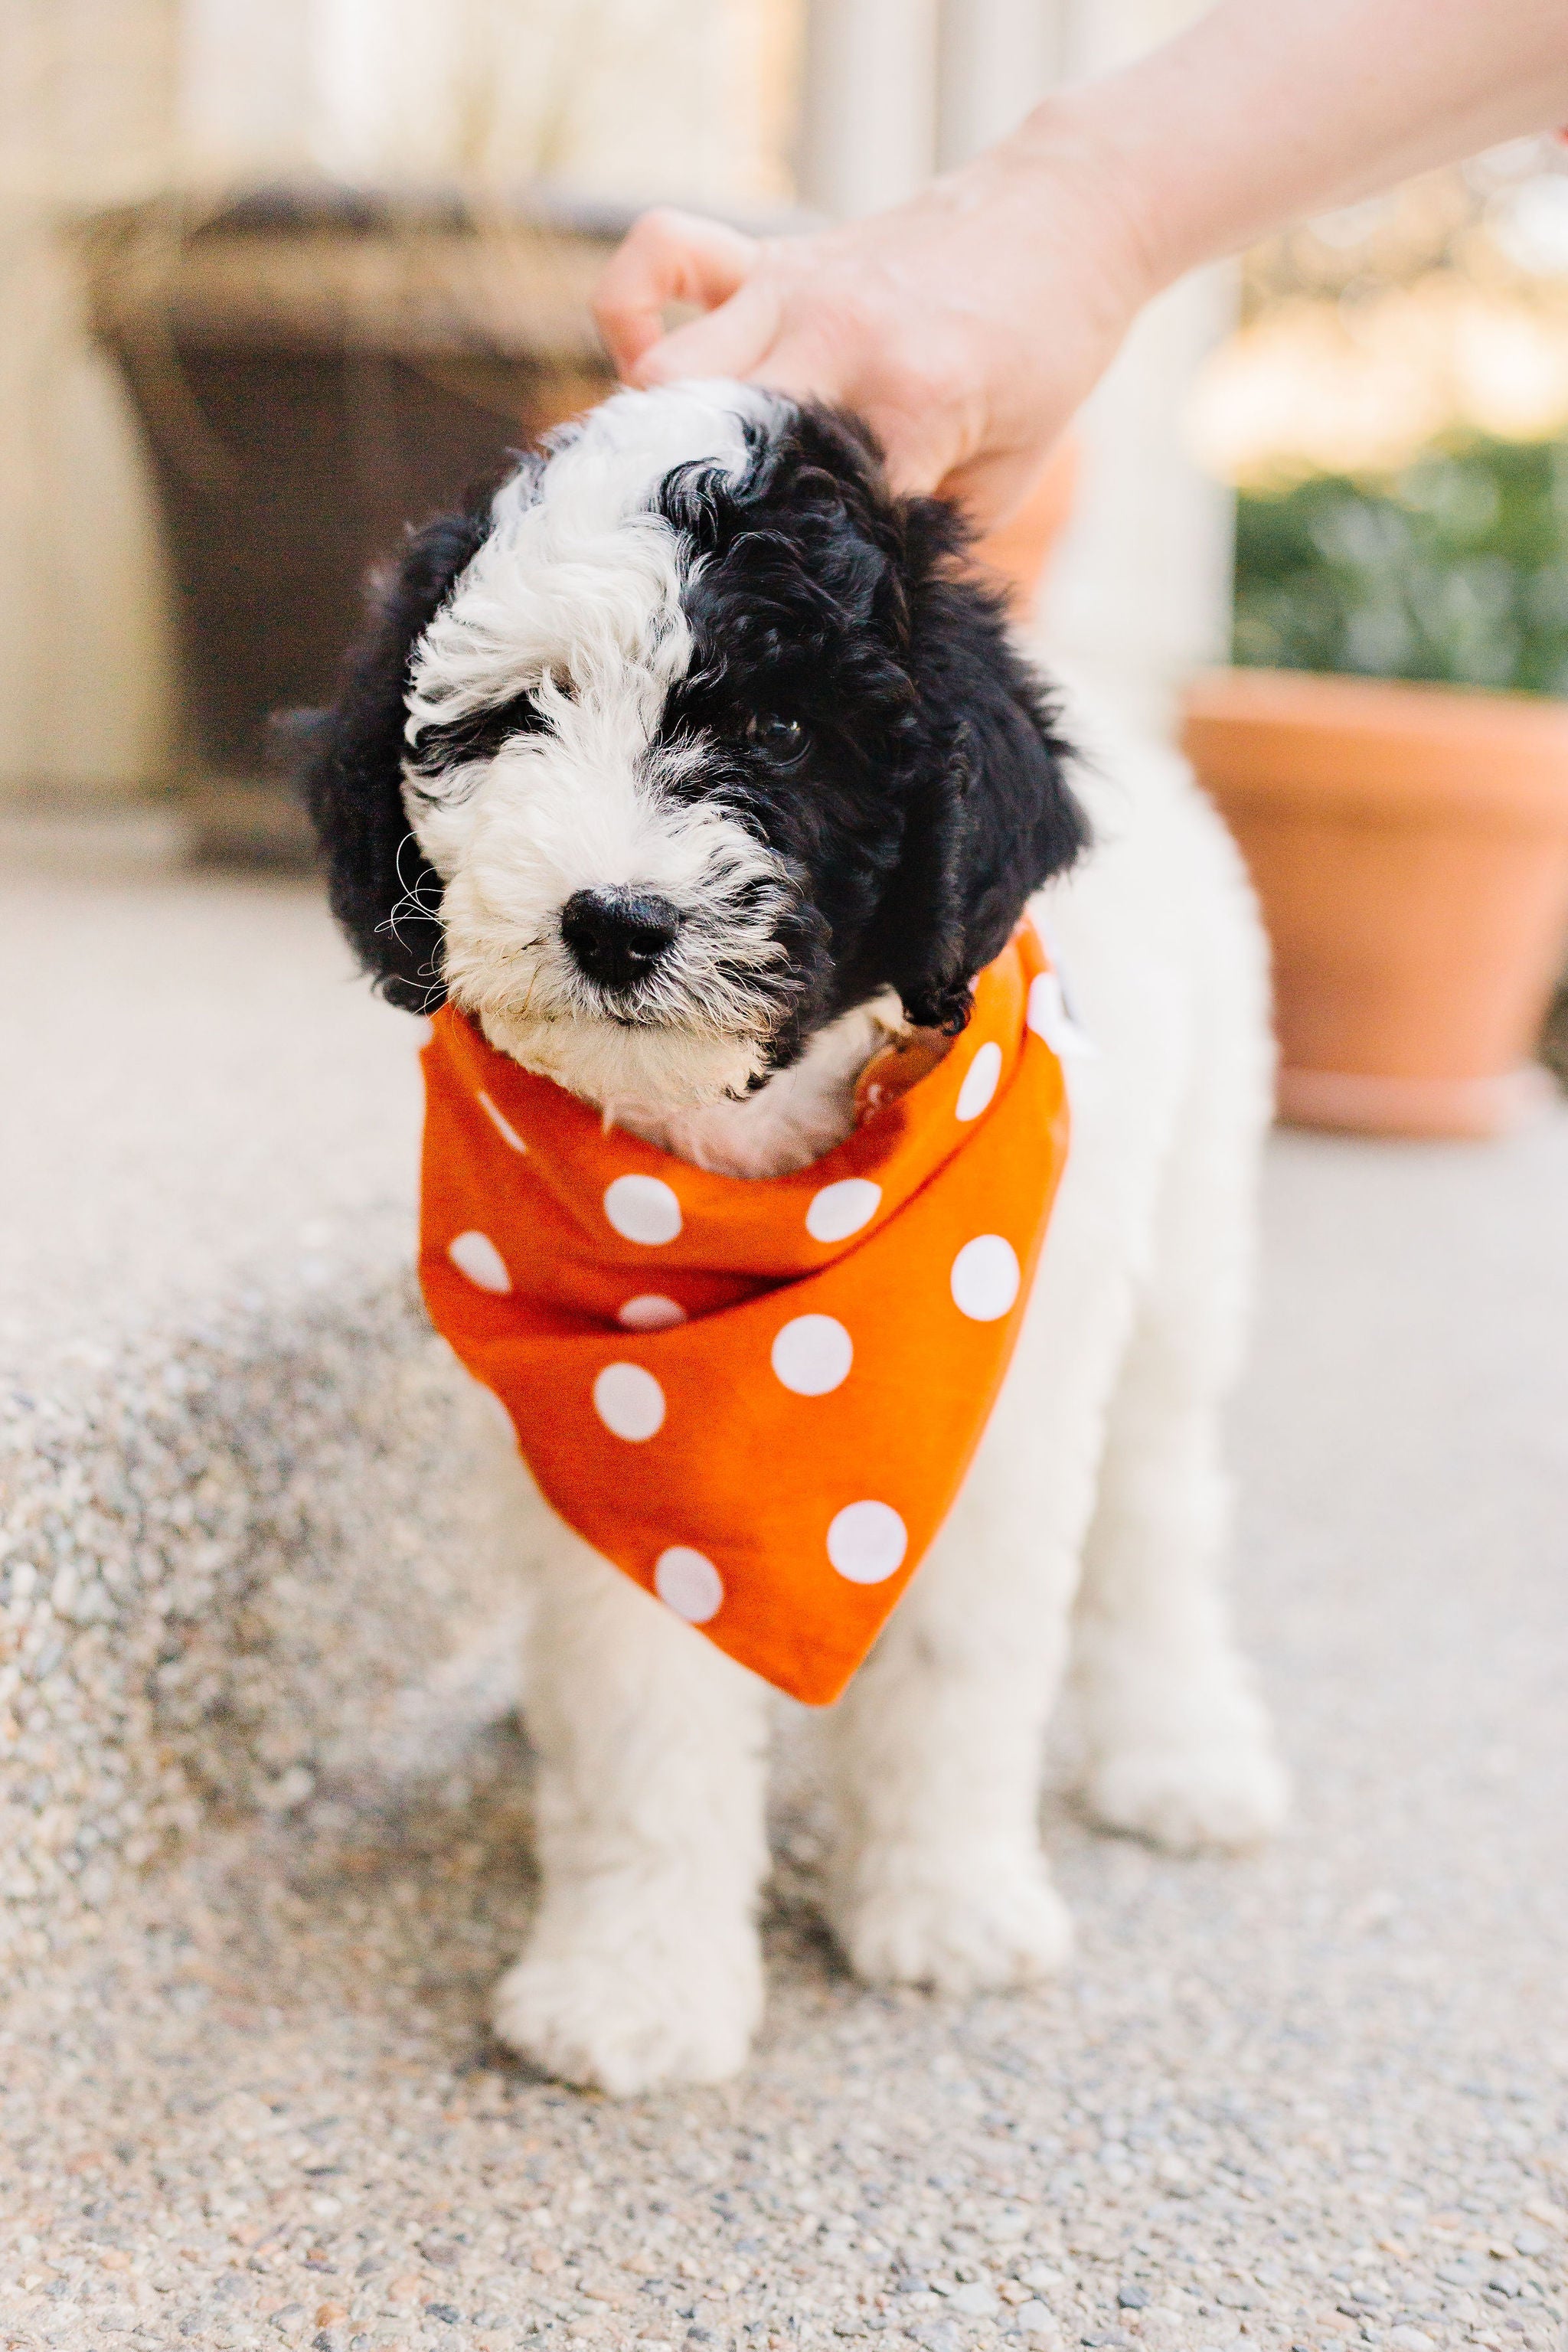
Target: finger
<point x="732" y="340"/>
<point x="665" y="256"/>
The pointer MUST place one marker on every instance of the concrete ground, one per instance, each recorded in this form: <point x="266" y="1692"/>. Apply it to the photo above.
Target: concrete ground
<point x="1313" y="2098"/>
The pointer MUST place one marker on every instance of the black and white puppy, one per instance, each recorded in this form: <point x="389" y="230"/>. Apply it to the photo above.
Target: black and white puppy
<point x="714" y="743"/>
<point x="691" y="767"/>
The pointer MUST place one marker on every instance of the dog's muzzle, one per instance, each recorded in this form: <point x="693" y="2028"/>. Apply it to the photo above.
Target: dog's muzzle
<point x="618" y="938"/>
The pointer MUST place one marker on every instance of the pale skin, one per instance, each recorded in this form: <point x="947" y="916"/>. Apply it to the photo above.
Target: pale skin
<point x="967" y="325"/>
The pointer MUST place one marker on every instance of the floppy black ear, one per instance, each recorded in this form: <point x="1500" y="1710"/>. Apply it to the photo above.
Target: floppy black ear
<point x="383" y="892"/>
<point x="993" y="814"/>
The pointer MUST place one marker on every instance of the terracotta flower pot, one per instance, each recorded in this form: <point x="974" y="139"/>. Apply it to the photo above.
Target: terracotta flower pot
<point x="1018" y="552"/>
<point x="1409" y="844"/>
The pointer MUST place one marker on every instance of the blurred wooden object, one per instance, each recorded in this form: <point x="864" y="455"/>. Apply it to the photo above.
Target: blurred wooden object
<point x="1409" y="844"/>
<point x="313" y="369"/>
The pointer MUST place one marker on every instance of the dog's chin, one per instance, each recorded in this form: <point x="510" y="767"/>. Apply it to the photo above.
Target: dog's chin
<point x="651" y="1069"/>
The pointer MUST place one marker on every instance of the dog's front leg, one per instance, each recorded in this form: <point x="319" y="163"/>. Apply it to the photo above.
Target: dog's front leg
<point x="937" y="1744"/>
<point x="939" y="1878"/>
<point x="643" y="1965"/>
<point x="939" y="1741"/>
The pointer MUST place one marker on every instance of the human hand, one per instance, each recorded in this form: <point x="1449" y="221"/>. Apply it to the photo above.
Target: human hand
<point x="967" y="325"/>
<point x="964" y="326"/>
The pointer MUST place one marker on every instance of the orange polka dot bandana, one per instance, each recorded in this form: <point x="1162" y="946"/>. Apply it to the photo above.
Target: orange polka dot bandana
<point x="758" y="1398"/>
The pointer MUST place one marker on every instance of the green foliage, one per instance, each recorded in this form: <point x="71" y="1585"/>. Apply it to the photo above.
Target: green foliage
<point x="1454" y="569"/>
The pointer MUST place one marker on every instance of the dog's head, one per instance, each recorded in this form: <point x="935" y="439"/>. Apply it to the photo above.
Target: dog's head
<point x="690" y="740"/>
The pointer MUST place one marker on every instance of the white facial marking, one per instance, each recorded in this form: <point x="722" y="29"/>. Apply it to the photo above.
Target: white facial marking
<point x="575" y="599"/>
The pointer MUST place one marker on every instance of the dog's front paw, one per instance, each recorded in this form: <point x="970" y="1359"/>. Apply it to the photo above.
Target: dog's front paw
<point x="975" y="1924"/>
<point x="621" y="2004"/>
<point x="1229" y="1791"/>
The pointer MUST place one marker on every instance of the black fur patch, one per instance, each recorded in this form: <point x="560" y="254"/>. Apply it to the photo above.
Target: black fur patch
<point x="477" y="735"/>
<point x="381" y="889"/>
<point x="925" y="797"/>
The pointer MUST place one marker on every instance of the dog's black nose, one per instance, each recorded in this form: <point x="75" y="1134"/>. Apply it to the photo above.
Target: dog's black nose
<point x="618" y="936"/>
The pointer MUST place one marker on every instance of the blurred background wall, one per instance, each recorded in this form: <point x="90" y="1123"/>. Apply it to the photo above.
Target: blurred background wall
<point x="89" y="94"/>
<point x="748" y="107"/>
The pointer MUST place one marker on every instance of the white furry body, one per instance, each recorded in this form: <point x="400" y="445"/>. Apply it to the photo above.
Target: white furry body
<point x="1092" y="1523"/>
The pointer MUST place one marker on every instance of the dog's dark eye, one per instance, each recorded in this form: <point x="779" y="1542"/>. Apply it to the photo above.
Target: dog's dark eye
<point x="781" y="739"/>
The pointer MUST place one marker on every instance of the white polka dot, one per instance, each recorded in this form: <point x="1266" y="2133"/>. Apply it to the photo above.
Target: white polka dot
<point x="503" y="1126"/>
<point x="477" y="1256"/>
<point x="650" y="1312"/>
<point x="813" y="1355"/>
<point x="980" y="1080"/>
<point x="643" y="1208"/>
<point x="986" y="1278"/>
<point x="688" y="1582"/>
<point x="1049" y="1018"/>
<point x="867" y="1542"/>
<point x="841" y="1209"/>
<point x="629" y="1402"/>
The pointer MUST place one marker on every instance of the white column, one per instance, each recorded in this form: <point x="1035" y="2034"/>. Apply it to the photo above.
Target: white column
<point x="1139" y="596"/>
<point x="867" y="103"/>
<point x="995" y="58"/>
<point x="1140" y="593"/>
<point x="1141" y="589"/>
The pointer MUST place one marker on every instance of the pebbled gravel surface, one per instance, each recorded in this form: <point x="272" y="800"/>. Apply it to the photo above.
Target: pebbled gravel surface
<point x="1315" y="2098"/>
<point x="230" y="1553"/>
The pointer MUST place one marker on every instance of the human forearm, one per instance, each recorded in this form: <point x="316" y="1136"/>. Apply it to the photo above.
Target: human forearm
<point x="1263" y="111"/>
<point x="967" y="324"/>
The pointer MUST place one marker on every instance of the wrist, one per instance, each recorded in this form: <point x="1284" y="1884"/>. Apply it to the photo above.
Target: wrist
<point x="1085" y="163"/>
<point x="1082" y="175"/>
